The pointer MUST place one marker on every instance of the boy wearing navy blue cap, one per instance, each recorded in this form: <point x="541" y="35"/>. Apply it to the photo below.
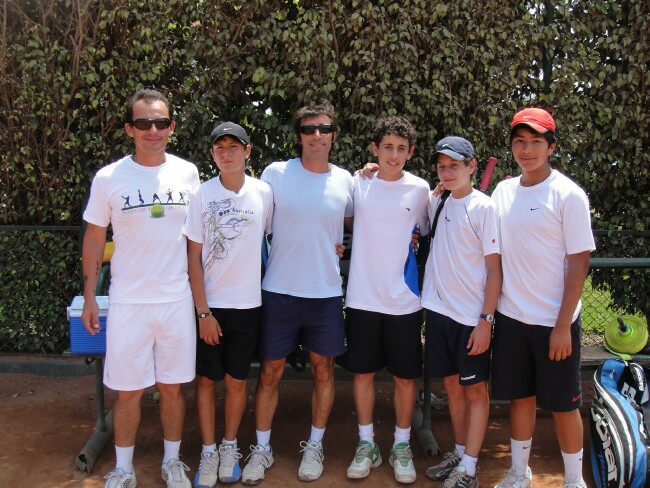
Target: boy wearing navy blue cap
<point x="461" y="286"/>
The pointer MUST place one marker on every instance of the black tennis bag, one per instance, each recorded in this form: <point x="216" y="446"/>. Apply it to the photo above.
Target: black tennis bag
<point x="620" y="443"/>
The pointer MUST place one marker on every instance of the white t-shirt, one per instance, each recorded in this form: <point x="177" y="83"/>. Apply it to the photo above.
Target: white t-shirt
<point x="231" y="227"/>
<point x="539" y="226"/>
<point x="456" y="270"/>
<point x="146" y="207"/>
<point x="307" y="223"/>
<point x="385" y="214"/>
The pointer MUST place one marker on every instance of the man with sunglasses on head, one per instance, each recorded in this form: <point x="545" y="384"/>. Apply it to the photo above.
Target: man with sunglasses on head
<point x="151" y="335"/>
<point x="301" y="290"/>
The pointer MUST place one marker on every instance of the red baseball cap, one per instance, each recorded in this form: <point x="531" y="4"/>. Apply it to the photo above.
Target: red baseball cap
<point x="537" y="118"/>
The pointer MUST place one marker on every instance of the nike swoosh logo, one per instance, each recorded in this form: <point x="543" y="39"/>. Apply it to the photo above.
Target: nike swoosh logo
<point x="407" y="209"/>
<point x="531" y="209"/>
<point x="526" y="447"/>
<point x="576" y="398"/>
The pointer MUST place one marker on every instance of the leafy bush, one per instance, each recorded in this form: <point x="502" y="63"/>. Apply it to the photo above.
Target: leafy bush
<point x="460" y="67"/>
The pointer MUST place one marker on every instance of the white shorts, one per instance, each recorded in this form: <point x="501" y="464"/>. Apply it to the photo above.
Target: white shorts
<point x="148" y="343"/>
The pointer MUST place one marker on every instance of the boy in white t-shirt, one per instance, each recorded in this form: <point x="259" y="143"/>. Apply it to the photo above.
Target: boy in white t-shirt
<point x="225" y="227"/>
<point x="462" y="283"/>
<point x="546" y="239"/>
<point x="383" y="313"/>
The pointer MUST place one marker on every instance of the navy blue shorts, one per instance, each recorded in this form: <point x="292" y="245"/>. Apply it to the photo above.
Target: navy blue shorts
<point x="377" y="340"/>
<point x="521" y="367"/>
<point x="236" y="350"/>
<point x="316" y="322"/>
<point x="446" y="351"/>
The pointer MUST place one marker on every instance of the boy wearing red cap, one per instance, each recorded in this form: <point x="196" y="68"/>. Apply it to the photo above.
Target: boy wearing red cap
<point x="546" y="240"/>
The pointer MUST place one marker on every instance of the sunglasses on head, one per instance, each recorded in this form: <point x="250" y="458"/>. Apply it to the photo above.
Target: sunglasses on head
<point x="145" y="124"/>
<point x="311" y="129"/>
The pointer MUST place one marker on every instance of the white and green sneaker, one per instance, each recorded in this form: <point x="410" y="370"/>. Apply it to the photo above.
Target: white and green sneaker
<point x="401" y="459"/>
<point x="367" y="456"/>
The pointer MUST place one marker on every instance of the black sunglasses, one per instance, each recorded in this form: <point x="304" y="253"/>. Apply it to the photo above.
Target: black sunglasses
<point x="145" y="124"/>
<point x="311" y="129"/>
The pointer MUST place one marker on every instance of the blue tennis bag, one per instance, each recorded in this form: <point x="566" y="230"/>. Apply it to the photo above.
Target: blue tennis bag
<point x="620" y="440"/>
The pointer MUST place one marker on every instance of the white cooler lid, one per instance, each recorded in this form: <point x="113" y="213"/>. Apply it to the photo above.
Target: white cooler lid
<point x="77" y="305"/>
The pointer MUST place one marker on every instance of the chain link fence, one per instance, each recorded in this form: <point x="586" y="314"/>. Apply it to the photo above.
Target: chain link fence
<point x="41" y="273"/>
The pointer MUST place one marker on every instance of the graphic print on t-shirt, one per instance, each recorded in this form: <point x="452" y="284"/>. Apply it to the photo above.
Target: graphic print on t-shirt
<point x="156" y="207"/>
<point x="225" y="225"/>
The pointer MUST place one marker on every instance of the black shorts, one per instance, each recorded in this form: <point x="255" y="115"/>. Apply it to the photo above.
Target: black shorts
<point x="446" y="351"/>
<point x="377" y="340"/>
<point x="317" y="322"/>
<point x="521" y="367"/>
<point x="234" y="354"/>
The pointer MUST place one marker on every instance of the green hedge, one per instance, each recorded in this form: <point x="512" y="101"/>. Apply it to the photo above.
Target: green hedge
<point x="460" y="67"/>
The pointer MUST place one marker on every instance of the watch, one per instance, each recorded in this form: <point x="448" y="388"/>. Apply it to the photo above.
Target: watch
<point x="488" y="317"/>
<point x="204" y="315"/>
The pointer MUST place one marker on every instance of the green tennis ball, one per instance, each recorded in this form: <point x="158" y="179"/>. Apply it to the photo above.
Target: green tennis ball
<point x="157" y="211"/>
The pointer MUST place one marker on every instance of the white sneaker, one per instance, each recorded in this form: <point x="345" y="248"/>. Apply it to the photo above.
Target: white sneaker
<point x="173" y="473"/>
<point x="575" y="484"/>
<point x="229" y="470"/>
<point x="311" y="466"/>
<point x="401" y="459"/>
<point x="118" y="478"/>
<point x="258" y="461"/>
<point x="367" y="456"/>
<point x="512" y="480"/>
<point x="206" y="475"/>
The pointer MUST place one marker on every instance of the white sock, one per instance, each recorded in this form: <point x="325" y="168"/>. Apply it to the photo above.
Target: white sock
<point x="210" y="448"/>
<point x="460" y="450"/>
<point x="124" y="458"/>
<point x="520" y="455"/>
<point x="469" y="463"/>
<point x="229" y="443"/>
<point x="572" y="466"/>
<point x="317" y="435"/>
<point x="264" y="438"/>
<point x="367" y="433"/>
<point x="402" y="435"/>
<point x="172" y="448"/>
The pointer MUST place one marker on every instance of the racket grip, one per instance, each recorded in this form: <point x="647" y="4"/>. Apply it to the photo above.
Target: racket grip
<point x="487" y="175"/>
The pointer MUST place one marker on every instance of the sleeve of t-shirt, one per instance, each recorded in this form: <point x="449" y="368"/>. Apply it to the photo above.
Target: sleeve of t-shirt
<point x="424" y="218"/>
<point x="490" y="234"/>
<point x="268" y="205"/>
<point x="98" y="210"/>
<point x="349" y="206"/>
<point x="193" y="227"/>
<point x="576" y="223"/>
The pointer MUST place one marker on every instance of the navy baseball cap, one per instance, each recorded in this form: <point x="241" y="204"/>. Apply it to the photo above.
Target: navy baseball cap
<point x="455" y="147"/>
<point x="229" y="129"/>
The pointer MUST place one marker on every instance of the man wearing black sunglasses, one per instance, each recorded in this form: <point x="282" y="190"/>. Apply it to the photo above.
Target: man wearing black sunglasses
<point x="151" y="335"/>
<point x="301" y="291"/>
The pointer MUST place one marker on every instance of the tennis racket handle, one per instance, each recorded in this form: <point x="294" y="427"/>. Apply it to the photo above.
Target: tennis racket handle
<point x="487" y="175"/>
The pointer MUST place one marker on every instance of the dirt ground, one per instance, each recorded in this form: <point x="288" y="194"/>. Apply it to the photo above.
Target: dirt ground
<point x="45" y="421"/>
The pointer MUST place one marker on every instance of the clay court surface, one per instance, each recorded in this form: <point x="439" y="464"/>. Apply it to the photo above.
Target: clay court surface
<point x="45" y="421"/>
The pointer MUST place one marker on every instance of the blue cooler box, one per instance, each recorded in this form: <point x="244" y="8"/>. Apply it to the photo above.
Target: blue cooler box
<point x="82" y="343"/>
